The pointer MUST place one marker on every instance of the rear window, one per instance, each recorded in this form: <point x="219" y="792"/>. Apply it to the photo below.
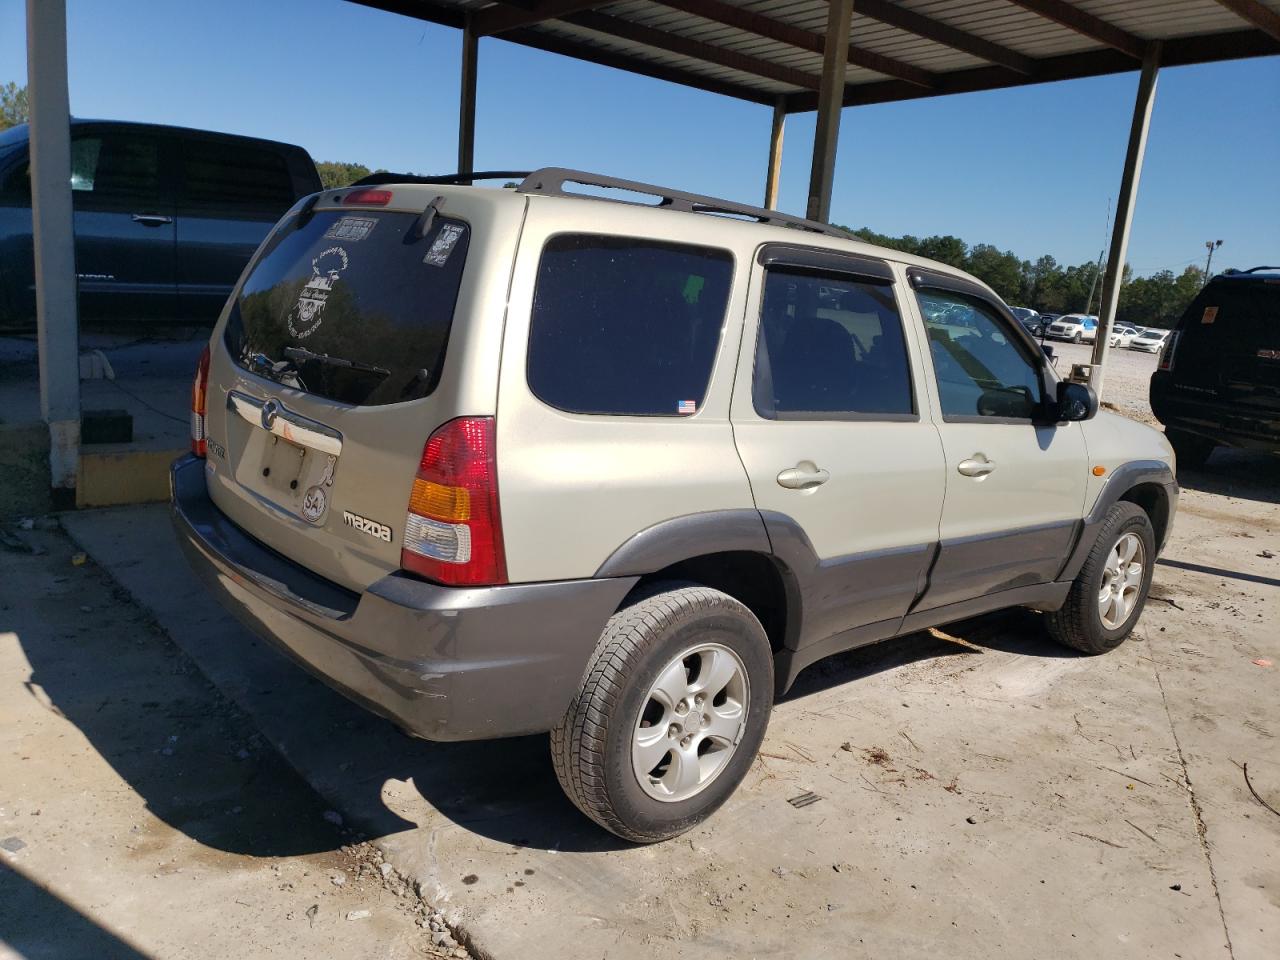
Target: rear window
<point x="626" y="326"/>
<point x="1232" y="316"/>
<point x="352" y="306"/>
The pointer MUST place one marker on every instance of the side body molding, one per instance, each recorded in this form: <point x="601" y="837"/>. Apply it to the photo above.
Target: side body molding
<point x="1123" y="479"/>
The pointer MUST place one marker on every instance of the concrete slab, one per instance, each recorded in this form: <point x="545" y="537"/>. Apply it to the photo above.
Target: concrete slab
<point x="983" y="792"/>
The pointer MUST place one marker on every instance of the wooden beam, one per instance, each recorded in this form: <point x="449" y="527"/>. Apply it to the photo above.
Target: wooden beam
<point x="945" y="34"/>
<point x="731" y="16"/>
<point x="695" y="49"/>
<point x="1251" y="11"/>
<point x="774" y="171"/>
<point x="502" y="16"/>
<point x="1086" y="24"/>
<point x="580" y="50"/>
<point x="418" y="10"/>
<point x="467" y="100"/>
<point x="826" y="133"/>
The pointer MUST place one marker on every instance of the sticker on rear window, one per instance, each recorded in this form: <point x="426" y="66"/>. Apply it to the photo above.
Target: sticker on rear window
<point x="305" y="317"/>
<point x="444" y="243"/>
<point x="351" y="228"/>
<point x="687" y="408"/>
<point x="1210" y="315"/>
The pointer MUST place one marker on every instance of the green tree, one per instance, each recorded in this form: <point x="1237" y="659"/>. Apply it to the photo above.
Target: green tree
<point x="13" y="105"/>
<point x="334" y="173"/>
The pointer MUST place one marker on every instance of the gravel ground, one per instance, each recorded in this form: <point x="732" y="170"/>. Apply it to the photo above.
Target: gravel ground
<point x="1128" y="376"/>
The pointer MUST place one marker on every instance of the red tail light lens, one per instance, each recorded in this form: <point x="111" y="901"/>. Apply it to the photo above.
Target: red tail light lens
<point x="453" y="533"/>
<point x="1166" y="352"/>
<point x="368" y="198"/>
<point x="199" y="392"/>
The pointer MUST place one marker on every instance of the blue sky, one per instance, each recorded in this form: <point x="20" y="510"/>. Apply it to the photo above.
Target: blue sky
<point x="1029" y="170"/>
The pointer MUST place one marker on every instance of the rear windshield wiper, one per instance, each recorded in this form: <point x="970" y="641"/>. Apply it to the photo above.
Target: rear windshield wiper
<point x="298" y="354"/>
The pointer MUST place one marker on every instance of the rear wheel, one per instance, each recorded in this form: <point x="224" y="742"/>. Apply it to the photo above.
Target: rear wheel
<point x="1110" y="591"/>
<point x="671" y="713"/>
<point x="1191" y="450"/>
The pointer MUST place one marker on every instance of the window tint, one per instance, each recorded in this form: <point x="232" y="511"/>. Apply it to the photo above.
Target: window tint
<point x="981" y="370"/>
<point x="626" y="326"/>
<point x="222" y="174"/>
<point x="829" y="346"/>
<point x="116" y="167"/>
<point x="362" y="288"/>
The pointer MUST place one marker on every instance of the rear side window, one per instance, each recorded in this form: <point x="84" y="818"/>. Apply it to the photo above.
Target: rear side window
<point x="626" y="326"/>
<point x="352" y="306"/>
<point x="830" y="347"/>
<point x="220" y="174"/>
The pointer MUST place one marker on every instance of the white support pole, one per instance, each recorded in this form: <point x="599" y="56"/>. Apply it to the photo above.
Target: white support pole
<point x="774" y="171"/>
<point x="54" y="242"/>
<point x="1114" y="277"/>
<point x="835" y="58"/>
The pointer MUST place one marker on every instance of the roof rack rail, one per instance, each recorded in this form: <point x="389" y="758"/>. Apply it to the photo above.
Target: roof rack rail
<point x="1254" y="269"/>
<point x="383" y="176"/>
<point x="550" y="181"/>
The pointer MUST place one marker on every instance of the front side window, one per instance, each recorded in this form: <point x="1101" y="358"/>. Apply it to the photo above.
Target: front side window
<point x="980" y="369"/>
<point x="626" y="326"/>
<point x="829" y="347"/>
<point x="116" y="167"/>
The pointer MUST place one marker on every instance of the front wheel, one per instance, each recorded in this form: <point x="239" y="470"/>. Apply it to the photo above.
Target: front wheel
<point x="671" y="712"/>
<point x="1110" y="591"/>
<point x="1078" y="337"/>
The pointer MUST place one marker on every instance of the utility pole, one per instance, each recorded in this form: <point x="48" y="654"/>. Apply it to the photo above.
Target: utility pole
<point x="1097" y="273"/>
<point x="1210" y="245"/>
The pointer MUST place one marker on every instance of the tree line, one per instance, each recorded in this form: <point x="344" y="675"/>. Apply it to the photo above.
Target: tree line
<point x="1046" y="286"/>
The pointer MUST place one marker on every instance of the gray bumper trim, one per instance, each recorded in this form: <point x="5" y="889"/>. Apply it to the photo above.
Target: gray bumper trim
<point x="446" y="663"/>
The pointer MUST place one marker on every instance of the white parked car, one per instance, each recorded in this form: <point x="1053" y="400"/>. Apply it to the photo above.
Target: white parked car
<point x="1123" y="334"/>
<point x="1076" y="327"/>
<point x="1150" y="341"/>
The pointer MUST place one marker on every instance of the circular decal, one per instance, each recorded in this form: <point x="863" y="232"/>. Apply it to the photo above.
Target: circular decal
<point x="307" y="313"/>
<point x="314" y="502"/>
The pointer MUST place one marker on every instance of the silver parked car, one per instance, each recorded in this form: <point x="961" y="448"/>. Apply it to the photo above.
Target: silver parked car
<point x="499" y="462"/>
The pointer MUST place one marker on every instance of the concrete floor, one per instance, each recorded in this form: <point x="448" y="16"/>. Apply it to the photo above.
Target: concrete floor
<point x="984" y="793"/>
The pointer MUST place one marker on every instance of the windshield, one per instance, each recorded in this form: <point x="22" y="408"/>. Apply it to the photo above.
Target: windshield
<point x="352" y="306"/>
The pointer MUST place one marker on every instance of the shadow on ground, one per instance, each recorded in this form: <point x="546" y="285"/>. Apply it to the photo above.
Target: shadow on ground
<point x="37" y="924"/>
<point x="1244" y="474"/>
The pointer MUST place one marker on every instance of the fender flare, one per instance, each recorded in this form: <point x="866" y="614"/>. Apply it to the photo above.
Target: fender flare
<point x="1123" y="479"/>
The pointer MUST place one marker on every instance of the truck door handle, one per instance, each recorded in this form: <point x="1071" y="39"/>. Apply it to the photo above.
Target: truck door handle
<point x="803" y="476"/>
<point x="151" y="219"/>
<point x="976" y="466"/>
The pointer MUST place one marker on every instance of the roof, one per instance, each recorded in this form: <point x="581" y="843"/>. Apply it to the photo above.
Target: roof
<point x="764" y="50"/>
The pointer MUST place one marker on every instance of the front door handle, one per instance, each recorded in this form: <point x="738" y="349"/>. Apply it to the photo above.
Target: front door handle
<point x="151" y="219"/>
<point x="976" y="466"/>
<point x="805" y="475"/>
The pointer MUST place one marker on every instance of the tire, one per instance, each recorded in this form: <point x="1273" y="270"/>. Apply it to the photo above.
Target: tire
<point x="592" y="747"/>
<point x="1079" y="624"/>
<point x="1079" y="337"/>
<point x="1191" y="450"/>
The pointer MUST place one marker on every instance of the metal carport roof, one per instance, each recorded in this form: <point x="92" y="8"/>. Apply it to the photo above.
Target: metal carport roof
<point x="763" y="50"/>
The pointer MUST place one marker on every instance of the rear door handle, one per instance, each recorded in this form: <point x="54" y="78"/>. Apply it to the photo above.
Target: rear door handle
<point x="151" y="219"/>
<point x="976" y="466"/>
<point x="803" y="476"/>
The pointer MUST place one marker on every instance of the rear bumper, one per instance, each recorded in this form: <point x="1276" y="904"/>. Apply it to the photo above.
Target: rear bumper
<point x="1227" y="423"/>
<point x="446" y="663"/>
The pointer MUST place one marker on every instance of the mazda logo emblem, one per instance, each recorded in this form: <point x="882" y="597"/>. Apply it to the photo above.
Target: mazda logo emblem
<point x="270" y="410"/>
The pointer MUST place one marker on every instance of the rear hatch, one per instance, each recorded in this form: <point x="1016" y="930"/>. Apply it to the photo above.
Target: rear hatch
<point x="1229" y="342"/>
<point x="323" y="383"/>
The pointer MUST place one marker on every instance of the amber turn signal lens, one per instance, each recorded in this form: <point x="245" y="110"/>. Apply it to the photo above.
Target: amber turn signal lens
<point x="1099" y="471"/>
<point x="439" y="502"/>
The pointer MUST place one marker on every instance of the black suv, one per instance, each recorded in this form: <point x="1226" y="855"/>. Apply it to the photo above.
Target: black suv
<point x="1218" y="380"/>
<point x="165" y="218"/>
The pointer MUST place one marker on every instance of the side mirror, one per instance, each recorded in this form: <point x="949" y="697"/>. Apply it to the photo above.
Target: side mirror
<point x="1047" y="348"/>
<point x="1076" y="401"/>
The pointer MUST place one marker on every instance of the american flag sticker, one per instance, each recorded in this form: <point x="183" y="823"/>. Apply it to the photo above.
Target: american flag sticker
<point x="687" y="407"/>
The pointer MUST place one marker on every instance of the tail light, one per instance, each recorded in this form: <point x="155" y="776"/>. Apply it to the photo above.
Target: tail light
<point x="453" y="533"/>
<point x="199" y="391"/>
<point x="1166" y="352"/>
<point x="368" y="198"/>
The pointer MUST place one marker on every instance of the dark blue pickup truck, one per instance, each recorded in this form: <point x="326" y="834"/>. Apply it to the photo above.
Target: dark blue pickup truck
<point x="165" y="218"/>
